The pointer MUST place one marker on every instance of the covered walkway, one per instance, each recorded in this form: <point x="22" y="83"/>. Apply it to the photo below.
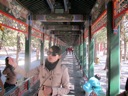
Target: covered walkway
<point x="73" y="26"/>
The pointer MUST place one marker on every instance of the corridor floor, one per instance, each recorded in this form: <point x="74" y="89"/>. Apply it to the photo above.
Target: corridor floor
<point x="75" y="75"/>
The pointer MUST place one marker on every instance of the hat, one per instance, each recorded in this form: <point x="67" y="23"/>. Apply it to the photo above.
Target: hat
<point x="56" y="49"/>
<point x="98" y="76"/>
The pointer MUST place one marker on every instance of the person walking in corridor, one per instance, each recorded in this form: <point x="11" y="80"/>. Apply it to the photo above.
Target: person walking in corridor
<point x="53" y="76"/>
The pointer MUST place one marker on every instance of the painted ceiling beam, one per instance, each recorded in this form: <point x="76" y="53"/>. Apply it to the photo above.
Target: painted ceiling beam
<point x="61" y="27"/>
<point x="50" y="3"/>
<point x="70" y="31"/>
<point x="66" y="33"/>
<point x="59" y="18"/>
<point x="65" y="6"/>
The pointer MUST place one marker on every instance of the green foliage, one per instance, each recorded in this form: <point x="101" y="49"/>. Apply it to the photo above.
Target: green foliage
<point x="10" y="38"/>
<point x="124" y="29"/>
<point x="35" y="42"/>
<point x="101" y="36"/>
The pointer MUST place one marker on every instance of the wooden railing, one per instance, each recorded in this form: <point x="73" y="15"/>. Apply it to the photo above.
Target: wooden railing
<point x="21" y="89"/>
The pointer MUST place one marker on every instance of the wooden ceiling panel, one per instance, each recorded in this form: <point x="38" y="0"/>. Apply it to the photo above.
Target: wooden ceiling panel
<point x="73" y="7"/>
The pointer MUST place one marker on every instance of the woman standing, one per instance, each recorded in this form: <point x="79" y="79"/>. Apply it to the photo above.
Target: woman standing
<point x="10" y="76"/>
<point x="53" y="76"/>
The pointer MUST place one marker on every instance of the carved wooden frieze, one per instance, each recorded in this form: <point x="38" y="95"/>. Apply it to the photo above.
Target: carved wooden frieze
<point x="36" y="33"/>
<point x="61" y="27"/>
<point x="101" y="21"/>
<point x="120" y="6"/>
<point x="98" y="8"/>
<point x="37" y="25"/>
<point x="14" y="8"/>
<point x="12" y="23"/>
<point x="59" y="18"/>
<point x="120" y="10"/>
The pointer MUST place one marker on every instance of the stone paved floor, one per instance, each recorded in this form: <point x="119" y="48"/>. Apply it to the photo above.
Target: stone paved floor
<point x="75" y="75"/>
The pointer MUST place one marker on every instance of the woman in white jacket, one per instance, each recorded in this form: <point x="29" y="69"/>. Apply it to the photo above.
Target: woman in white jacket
<point x="54" y="77"/>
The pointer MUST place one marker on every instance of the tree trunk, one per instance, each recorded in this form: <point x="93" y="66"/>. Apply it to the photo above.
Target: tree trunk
<point x="124" y="48"/>
<point x="18" y="47"/>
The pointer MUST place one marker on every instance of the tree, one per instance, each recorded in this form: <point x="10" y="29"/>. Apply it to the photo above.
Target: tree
<point x="124" y="35"/>
<point x="101" y="38"/>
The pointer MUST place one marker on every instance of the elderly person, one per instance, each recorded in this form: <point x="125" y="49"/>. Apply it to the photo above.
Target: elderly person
<point x="53" y="76"/>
